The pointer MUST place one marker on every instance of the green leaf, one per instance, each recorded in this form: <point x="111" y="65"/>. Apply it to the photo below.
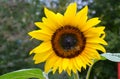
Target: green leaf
<point x="24" y="74"/>
<point x="115" y="57"/>
<point x="102" y="58"/>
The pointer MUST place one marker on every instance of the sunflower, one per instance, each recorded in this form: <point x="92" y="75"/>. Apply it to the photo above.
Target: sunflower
<point x="70" y="41"/>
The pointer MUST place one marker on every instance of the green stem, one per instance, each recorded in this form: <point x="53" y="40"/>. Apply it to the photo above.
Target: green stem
<point x="90" y="68"/>
<point x="76" y="75"/>
<point x="88" y="72"/>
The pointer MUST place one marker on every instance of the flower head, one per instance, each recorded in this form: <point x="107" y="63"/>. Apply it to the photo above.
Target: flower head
<point x="70" y="41"/>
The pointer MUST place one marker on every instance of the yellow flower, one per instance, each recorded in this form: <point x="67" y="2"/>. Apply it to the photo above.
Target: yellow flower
<point x="70" y="41"/>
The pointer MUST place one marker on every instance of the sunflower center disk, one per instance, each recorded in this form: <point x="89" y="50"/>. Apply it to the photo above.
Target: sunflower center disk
<point x="68" y="42"/>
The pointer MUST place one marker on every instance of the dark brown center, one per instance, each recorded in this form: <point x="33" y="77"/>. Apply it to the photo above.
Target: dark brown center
<point x="68" y="42"/>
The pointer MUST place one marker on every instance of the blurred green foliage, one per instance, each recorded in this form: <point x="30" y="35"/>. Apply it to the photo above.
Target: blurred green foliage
<point x="17" y="18"/>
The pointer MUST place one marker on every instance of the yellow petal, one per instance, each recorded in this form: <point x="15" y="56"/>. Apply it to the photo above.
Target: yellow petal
<point x="83" y="62"/>
<point x="40" y="35"/>
<point x="60" y="19"/>
<point x="49" y="14"/>
<point x="96" y="31"/>
<point x="49" y="23"/>
<point x="79" y="62"/>
<point x="56" y="65"/>
<point x="54" y="69"/>
<point x="74" y="70"/>
<point x="41" y="57"/>
<point x="90" y="54"/>
<point x="76" y="64"/>
<point x="103" y="35"/>
<point x="43" y="47"/>
<point x="60" y="69"/>
<point x="96" y="46"/>
<point x="68" y="71"/>
<point x="71" y="10"/>
<point x="87" y="59"/>
<point x="50" y="62"/>
<point x="90" y="23"/>
<point x="81" y="17"/>
<point x="44" y="27"/>
<point x="96" y="40"/>
<point x="55" y="18"/>
<point x="93" y="53"/>
<point x="69" y="14"/>
<point x="65" y="63"/>
<point x="71" y="66"/>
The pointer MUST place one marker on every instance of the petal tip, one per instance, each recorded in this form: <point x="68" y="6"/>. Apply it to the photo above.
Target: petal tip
<point x="36" y="23"/>
<point x="29" y="33"/>
<point x="86" y="7"/>
<point x="31" y="52"/>
<point x="36" y="62"/>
